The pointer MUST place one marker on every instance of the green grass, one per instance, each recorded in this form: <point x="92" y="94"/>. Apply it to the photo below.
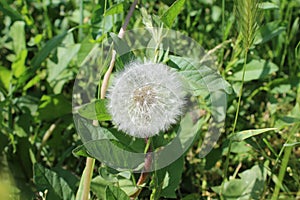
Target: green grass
<point x="44" y="43"/>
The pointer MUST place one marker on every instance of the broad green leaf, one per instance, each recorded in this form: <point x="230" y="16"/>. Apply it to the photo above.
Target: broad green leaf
<point x="240" y="136"/>
<point x="18" y="66"/>
<point x="17" y="33"/>
<point x="116" y="9"/>
<point x="71" y="179"/>
<point x="249" y="186"/>
<point x="115" y="193"/>
<point x="46" y="50"/>
<point x="109" y="152"/>
<point x="120" y="45"/>
<point x="282" y="122"/>
<point x="238" y="147"/>
<point x="58" y="73"/>
<point x="216" y="13"/>
<point x="268" y="32"/>
<point x="122" y="49"/>
<point x="90" y="132"/>
<point x="80" y="151"/>
<point x="169" y="16"/>
<point x="76" y="15"/>
<point x="5" y="77"/>
<point x="64" y="56"/>
<point x="127" y="186"/>
<point x="98" y="186"/>
<point x="7" y="10"/>
<point x="53" y="106"/>
<point x="255" y="69"/>
<point x="57" y="187"/>
<point x="107" y="175"/>
<point x="85" y="48"/>
<point x="200" y="77"/>
<point x="169" y="178"/>
<point x="32" y="82"/>
<point x="95" y="110"/>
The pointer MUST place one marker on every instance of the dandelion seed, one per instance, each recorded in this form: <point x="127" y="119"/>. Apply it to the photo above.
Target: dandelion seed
<point x="145" y="99"/>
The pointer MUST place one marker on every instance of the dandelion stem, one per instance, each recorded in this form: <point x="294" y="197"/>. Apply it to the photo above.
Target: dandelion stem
<point x="114" y="53"/>
<point x="144" y="175"/>
<point x="87" y="173"/>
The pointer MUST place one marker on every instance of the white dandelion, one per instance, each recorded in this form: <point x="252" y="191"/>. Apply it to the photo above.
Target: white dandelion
<point x="145" y="99"/>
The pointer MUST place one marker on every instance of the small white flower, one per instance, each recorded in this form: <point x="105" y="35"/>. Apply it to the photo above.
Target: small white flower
<point x="145" y="99"/>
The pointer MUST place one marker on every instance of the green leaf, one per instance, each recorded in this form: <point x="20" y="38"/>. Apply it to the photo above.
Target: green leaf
<point x="116" y="9"/>
<point x="268" y="5"/>
<point x="115" y="193"/>
<point x="127" y="186"/>
<point x="18" y="66"/>
<point x="95" y="110"/>
<point x="97" y="15"/>
<point x="249" y="186"/>
<point x="53" y="106"/>
<point x="57" y="187"/>
<point x="169" y="16"/>
<point x="240" y="136"/>
<point x="80" y="151"/>
<point x="282" y="122"/>
<point x="64" y="56"/>
<point x="122" y="48"/>
<point x="7" y="10"/>
<point x="85" y="48"/>
<point x="98" y="186"/>
<point x="90" y="132"/>
<point x="46" y="50"/>
<point x="255" y="69"/>
<point x="101" y="142"/>
<point x="291" y="144"/>
<point x="268" y="32"/>
<point x="17" y="33"/>
<point x="169" y="178"/>
<point x="5" y="77"/>
<point x="200" y="77"/>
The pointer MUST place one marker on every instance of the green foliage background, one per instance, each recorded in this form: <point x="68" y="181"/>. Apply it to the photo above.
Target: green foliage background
<point x="42" y="45"/>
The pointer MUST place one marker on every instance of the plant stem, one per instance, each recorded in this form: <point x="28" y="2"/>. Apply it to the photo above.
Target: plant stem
<point x="223" y="33"/>
<point x="90" y="162"/>
<point x="88" y="173"/>
<point x="285" y="160"/>
<point x="235" y="121"/>
<point x="114" y="53"/>
<point x="46" y="137"/>
<point x="284" y="164"/>
<point x="80" y="32"/>
<point x="144" y="175"/>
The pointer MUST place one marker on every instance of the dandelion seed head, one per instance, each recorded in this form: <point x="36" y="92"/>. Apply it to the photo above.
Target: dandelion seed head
<point x="145" y="99"/>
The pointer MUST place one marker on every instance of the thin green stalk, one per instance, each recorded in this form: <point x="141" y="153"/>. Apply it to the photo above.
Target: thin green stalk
<point x="247" y="15"/>
<point x="85" y="182"/>
<point x="223" y="33"/>
<point x="284" y="164"/>
<point x="285" y="160"/>
<point x="48" y="22"/>
<point x="236" y="115"/>
<point x="80" y="30"/>
<point x="83" y="193"/>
